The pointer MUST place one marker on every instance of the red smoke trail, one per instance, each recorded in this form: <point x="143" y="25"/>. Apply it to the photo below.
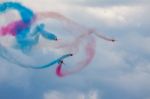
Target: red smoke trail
<point x="90" y="52"/>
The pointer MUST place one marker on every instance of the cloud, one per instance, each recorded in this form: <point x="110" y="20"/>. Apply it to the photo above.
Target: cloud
<point x="104" y="3"/>
<point x="72" y="95"/>
<point x="116" y="16"/>
<point x="15" y="76"/>
<point x="119" y="70"/>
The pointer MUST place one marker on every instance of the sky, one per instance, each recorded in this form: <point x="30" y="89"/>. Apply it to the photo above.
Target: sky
<point x="119" y="70"/>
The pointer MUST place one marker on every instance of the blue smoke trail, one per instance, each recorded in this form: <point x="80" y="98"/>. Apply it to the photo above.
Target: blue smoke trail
<point x="26" y="39"/>
<point x="25" y="13"/>
<point x="6" y="54"/>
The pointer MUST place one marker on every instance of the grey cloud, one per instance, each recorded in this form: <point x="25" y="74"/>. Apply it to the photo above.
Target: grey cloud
<point x="119" y="70"/>
<point x="103" y="3"/>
